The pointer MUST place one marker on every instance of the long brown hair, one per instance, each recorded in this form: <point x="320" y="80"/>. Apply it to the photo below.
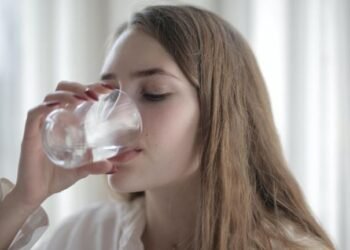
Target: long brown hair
<point x="249" y="198"/>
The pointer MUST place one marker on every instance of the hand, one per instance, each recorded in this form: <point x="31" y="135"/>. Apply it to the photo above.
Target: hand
<point x="38" y="177"/>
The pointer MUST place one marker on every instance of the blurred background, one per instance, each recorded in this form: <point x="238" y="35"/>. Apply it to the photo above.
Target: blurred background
<point x="302" y="47"/>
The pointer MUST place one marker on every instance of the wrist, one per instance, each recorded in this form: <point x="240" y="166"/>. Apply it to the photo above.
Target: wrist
<point x="15" y="202"/>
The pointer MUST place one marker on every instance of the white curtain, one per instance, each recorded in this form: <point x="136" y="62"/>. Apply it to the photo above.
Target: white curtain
<point x="302" y="48"/>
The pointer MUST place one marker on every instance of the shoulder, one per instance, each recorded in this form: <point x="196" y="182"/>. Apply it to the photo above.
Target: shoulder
<point x="107" y="210"/>
<point x="98" y="223"/>
<point x="104" y="215"/>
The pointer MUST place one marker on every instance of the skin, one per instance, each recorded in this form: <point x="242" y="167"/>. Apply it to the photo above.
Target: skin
<point x="166" y="168"/>
<point x="37" y="177"/>
<point x="169" y="124"/>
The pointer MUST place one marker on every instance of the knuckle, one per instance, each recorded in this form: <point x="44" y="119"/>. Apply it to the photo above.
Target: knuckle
<point x="31" y="112"/>
<point x="48" y="96"/>
<point x="62" y="85"/>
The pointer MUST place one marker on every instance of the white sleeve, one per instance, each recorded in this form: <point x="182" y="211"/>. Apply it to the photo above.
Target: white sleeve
<point x="32" y="229"/>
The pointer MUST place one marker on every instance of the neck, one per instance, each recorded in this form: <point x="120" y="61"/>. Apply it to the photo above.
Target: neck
<point x="171" y="214"/>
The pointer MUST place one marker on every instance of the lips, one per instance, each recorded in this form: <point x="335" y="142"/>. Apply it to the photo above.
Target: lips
<point x="126" y="155"/>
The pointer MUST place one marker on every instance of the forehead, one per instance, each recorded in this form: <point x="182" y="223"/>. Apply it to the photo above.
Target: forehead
<point x="135" y="50"/>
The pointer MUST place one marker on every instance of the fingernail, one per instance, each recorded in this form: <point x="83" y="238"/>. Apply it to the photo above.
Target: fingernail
<point x="80" y="97"/>
<point x="52" y="104"/>
<point x="91" y="94"/>
<point x="108" y="85"/>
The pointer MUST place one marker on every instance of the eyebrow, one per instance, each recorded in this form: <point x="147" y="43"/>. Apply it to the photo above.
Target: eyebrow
<point x="140" y="73"/>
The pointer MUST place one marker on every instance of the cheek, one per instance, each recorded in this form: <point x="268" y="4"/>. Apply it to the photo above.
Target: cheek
<point x="170" y="131"/>
<point x="169" y="142"/>
<point x="169" y="123"/>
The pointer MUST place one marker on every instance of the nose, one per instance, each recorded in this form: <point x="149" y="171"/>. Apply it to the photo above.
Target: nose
<point x="128" y="88"/>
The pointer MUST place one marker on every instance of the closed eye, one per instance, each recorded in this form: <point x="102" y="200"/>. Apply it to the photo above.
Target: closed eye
<point x="155" y="97"/>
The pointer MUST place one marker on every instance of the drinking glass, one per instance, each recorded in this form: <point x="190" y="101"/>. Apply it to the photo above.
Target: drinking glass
<point x="92" y="130"/>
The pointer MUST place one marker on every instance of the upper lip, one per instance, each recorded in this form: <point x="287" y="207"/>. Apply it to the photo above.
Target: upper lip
<point x="124" y="150"/>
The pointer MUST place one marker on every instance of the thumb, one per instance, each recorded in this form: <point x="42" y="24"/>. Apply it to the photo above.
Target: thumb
<point x="100" y="167"/>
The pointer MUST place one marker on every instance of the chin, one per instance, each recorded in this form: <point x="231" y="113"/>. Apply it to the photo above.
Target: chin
<point x="123" y="186"/>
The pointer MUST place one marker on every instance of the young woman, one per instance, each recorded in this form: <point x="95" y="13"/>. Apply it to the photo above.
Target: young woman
<point x="208" y="171"/>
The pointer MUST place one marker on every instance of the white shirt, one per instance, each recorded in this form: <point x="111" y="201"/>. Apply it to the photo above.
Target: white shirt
<point x="106" y="225"/>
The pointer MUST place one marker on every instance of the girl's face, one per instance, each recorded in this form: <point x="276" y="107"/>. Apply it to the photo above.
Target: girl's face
<point x="169" y="109"/>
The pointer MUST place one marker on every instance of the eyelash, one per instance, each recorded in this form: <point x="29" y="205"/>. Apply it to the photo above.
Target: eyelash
<point x="154" y="98"/>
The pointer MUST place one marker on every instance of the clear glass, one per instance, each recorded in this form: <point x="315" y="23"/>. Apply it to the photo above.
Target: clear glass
<point x="91" y="131"/>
